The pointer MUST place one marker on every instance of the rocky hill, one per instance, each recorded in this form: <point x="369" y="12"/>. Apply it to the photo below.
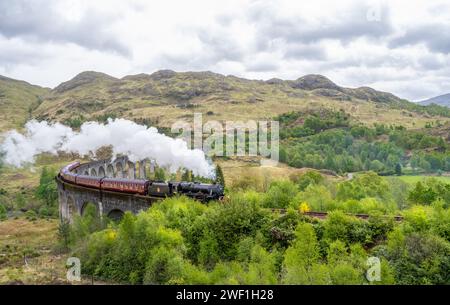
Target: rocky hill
<point x="162" y="97"/>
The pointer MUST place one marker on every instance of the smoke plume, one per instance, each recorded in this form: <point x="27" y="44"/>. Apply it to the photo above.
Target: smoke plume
<point x="125" y="137"/>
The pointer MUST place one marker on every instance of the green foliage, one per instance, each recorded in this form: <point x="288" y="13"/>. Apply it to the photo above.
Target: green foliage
<point x="351" y="230"/>
<point x="419" y="258"/>
<point x="345" y="274"/>
<point x="240" y="241"/>
<point x="208" y="254"/>
<point x="30" y="215"/>
<point x="429" y="191"/>
<point x="414" y="139"/>
<point x="64" y="233"/>
<point x="364" y="185"/>
<point x="309" y="178"/>
<point x="399" y="190"/>
<point x="262" y="267"/>
<point x="153" y="247"/>
<point x="3" y="211"/>
<point x="310" y="123"/>
<point x="44" y="211"/>
<point x="164" y="266"/>
<point x="279" y="232"/>
<point x="220" y="179"/>
<point x="318" y="198"/>
<point x="301" y="257"/>
<point x="20" y="201"/>
<point x="330" y="142"/>
<point x="239" y="217"/>
<point x="47" y="192"/>
<point x="160" y="174"/>
<point x="340" y="151"/>
<point x="75" y="121"/>
<point x="86" y="224"/>
<point x="280" y="194"/>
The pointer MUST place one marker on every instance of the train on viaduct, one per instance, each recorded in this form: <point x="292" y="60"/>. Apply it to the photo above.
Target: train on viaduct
<point x="119" y="185"/>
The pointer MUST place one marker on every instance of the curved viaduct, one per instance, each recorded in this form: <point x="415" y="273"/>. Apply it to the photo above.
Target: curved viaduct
<point x="74" y="198"/>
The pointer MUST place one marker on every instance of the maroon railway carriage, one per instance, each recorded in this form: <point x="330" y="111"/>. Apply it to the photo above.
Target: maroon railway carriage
<point x="162" y="189"/>
<point x="88" y="181"/>
<point x="133" y="186"/>
<point x="67" y="174"/>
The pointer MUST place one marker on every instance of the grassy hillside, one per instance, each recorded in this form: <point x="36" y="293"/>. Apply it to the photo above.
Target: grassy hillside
<point x="17" y="100"/>
<point x="166" y="96"/>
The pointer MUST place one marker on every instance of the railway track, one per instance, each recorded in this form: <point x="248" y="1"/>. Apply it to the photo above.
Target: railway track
<point x="323" y="215"/>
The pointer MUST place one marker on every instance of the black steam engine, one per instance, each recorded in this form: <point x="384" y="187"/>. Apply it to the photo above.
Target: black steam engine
<point x="200" y="191"/>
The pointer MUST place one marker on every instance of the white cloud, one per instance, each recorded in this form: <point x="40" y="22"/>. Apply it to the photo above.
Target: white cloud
<point x="390" y="45"/>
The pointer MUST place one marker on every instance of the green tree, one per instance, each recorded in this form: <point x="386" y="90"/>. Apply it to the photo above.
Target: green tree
<point x="280" y="193"/>
<point x="220" y="179"/>
<point x="418" y="257"/>
<point x="262" y="268"/>
<point x="208" y="250"/>
<point x="164" y="266"/>
<point x="428" y="191"/>
<point x="64" y="233"/>
<point x="47" y="190"/>
<point x="86" y="224"/>
<point x="310" y="177"/>
<point x="376" y="166"/>
<point x="300" y="258"/>
<point x="398" y="169"/>
<point x="160" y="174"/>
<point x="345" y="274"/>
<point x="364" y="185"/>
<point x="318" y="198"/>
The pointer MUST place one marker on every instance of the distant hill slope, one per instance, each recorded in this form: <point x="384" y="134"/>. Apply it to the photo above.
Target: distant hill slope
<point x="442" y="100"/>
<point x="17" y="100"/>
<point x="166" y="96"/>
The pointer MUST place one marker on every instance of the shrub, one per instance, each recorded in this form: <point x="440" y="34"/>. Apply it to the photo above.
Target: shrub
<point x="280" y="194"/>
<point x="308" y="178"/>
<point x="3" y="215"/>
<point x="44" y="211"/>
<point x="30" y="215"/>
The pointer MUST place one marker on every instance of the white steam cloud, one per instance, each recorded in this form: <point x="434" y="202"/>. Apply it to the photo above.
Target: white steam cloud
<point x="136" y="141"/>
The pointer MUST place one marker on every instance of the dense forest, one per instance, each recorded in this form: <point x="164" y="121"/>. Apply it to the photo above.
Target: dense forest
<point x="245" y="241"/>
<point x="333" y="140"/>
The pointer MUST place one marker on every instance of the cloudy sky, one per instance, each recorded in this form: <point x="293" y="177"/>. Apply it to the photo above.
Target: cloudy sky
<point x="398" y="46"/>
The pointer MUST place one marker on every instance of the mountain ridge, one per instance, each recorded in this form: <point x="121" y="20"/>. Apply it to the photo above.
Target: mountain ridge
<point x="165" y="96"/>
<point x="442" y="100"/>
<point x="307" y="82"/>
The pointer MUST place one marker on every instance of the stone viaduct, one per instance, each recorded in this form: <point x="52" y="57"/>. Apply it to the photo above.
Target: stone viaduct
<point x="73" y="198"/>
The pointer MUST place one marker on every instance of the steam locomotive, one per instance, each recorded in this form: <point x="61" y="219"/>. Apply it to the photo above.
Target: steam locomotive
<point x="200" y="191"/>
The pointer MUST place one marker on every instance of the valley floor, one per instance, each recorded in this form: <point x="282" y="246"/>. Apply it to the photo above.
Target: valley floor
<point x="28" y="253"/>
